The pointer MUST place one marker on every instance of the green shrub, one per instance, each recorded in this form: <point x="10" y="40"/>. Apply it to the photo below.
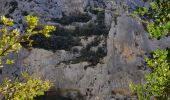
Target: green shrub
<point x="10" y="39"/>
<point x="158" y="80"/>
<point x="157" y="18"/>
<point x="157" y="86"/>
<point x="25" y="90"/>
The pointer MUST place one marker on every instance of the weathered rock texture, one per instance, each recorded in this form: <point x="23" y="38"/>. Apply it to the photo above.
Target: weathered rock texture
<point x="97" y="50"/>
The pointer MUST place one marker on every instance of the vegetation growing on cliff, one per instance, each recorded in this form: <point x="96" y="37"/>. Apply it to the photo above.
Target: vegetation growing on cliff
<point x="157" y="85"/>
<point x="158" y="81"/>
<point x="157" y="18"/>
<point x="10" y="42"/>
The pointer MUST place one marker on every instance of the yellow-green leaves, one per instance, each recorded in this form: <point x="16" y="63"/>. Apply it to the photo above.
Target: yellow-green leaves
<point x="157" y="83"/>
<point x="154" y="5"/>
<point x="24" y="90"/>
<point x="47" y="29"/>
<point x="9" y="61"/>
<point x="157" y="18"/>
<point x="10" y="41"/>
<point x="140" y="91"/>
<point x="15" y="32"/>
<point x="32" y="21"/>
<point x="141" y="11"/>
<point x="158" y="80"/>
<point x="7" y="21"/>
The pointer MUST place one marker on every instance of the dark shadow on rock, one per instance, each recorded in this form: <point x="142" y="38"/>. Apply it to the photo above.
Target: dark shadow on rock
<point x="14" y="5"/>
<point x="57" y="95"/>
<point x="54" y="42"/>
<point x="51" y="98"/>
<point x="66" y="20"/>
<point x="65" y="39"/>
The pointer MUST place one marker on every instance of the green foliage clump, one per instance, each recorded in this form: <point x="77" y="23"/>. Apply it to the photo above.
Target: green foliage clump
<point x="157" y="18"/>
<point x="26" y="90"/>
<point x="157" y="86"/>
<point x="158" y="81"/>
<point x="10" y="39"/>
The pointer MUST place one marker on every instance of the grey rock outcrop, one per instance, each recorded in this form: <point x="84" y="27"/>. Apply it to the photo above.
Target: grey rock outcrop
<point x="97" y="50"/>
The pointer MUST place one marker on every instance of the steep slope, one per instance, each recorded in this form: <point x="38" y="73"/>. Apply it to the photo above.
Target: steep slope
<point x="96" y="51"/>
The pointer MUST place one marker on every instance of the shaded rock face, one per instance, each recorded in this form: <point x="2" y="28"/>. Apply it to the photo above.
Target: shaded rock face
<point x="44" y="8"/>
<point x="96" y="51"/>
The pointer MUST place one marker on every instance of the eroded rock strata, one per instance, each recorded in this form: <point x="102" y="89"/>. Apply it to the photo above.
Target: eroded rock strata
<point x="96" y="51"/>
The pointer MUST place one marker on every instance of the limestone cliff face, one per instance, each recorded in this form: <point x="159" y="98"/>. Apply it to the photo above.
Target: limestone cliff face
<point x="96" y="51"/>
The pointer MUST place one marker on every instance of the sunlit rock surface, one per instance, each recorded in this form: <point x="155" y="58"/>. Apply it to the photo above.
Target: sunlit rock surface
<point x="96" y="51"/>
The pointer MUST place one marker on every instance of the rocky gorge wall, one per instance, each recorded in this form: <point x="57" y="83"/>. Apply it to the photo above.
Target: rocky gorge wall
<point x="96" y="51"/>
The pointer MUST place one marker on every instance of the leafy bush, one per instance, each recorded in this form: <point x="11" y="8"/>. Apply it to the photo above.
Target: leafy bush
<point x="157" y="17"/>
<point x="158" y="81"/>
<point x="157" y="84"/>
<point x="10" y="39"/>
<point x="25" y="90"/>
